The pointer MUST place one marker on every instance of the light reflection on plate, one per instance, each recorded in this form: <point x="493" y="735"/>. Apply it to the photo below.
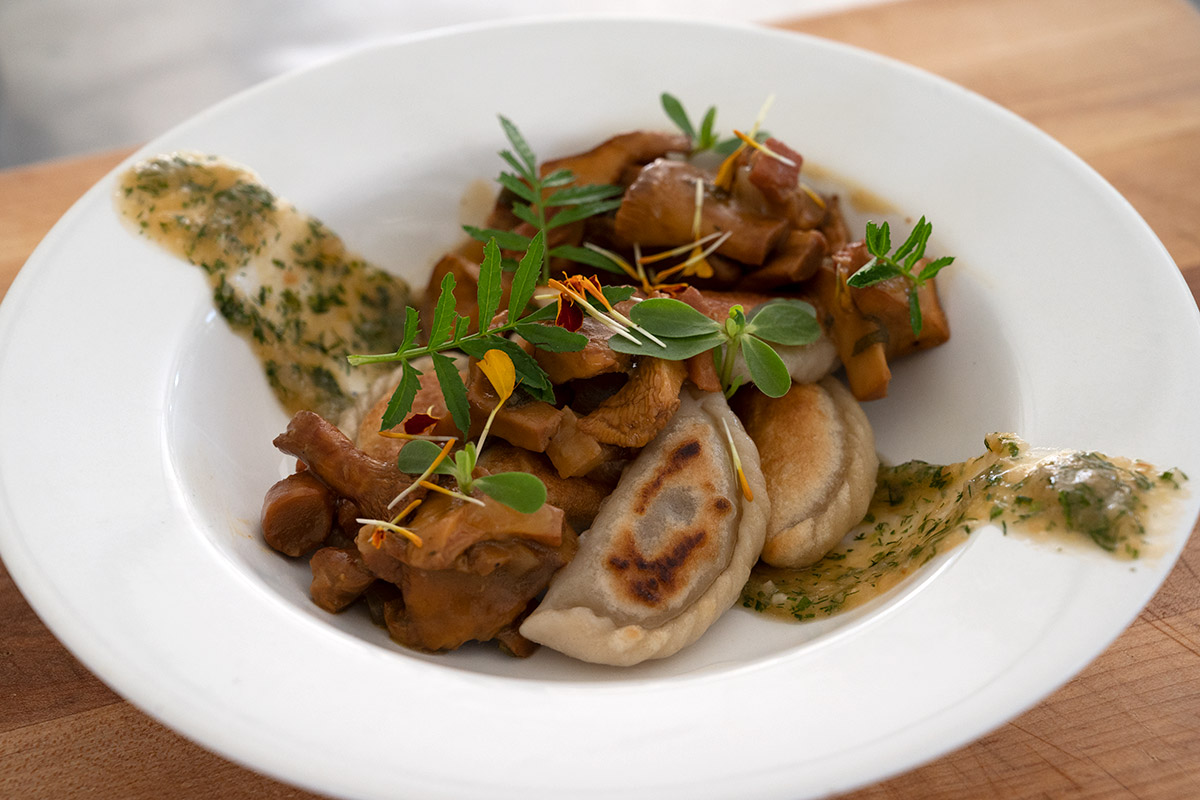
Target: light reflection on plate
<point x="156" y="446"/>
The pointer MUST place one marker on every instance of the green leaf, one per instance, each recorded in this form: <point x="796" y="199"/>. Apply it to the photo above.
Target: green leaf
<point x="526" y="214"/>
<point x="519" y="144"/>
<point x="583" y="255"/>
<point x="873" y="272"/>
<point x="914" y="312"/>
<point x="506" y="239"/>
<point x="522" y="170"/>
<point x="770" y="374"/>
<point x="489" y="289"/>
<point x="526" y="277"/>
<point x="617" y="294"/>
<point x="412" y="325"/>
<point x="879" y="239"/>
<point x="581" y="212"/>
<point x="453" y="391"/>
<point x="676" y="114"/>
<point x="551" y="337"/>
<point x="546" y="312"/>
<point x="519" y="491"/>
<point x="533" y="378"/>
<point x="664" y="316"/>
<point x="791" y="322"/>
<point x="576" y="195"/>
<point x="443" y="312"/>
<point x="707" y="139"/>
<point x="402" y="398"/>
<point x="918" y="251"/>
<point x="416" y="456"/>
<point x="517" y="186"/>
<point x="677" y="348"/>
<point x="911" y="242"/>
<point x="933" y="268"/>
<point x="560" y="177"/>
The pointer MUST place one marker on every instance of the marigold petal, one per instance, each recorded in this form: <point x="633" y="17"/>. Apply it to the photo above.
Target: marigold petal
<point x="499" y="369"/>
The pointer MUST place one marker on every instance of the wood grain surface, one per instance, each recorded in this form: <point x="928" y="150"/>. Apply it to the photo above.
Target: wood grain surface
<point x="1118" y="82"/>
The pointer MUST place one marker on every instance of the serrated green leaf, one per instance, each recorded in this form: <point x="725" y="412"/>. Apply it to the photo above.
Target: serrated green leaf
<point x="412" y="325"/>
<point x="560" y="177"/>
<point x="519" y="144"/>
<point x="583" y="255"/>
<point x="664" y="316"/>
<point x="676" y="349"/>
<point x="675" y="113"/>
<point x="918" y="252"/>
<point x="911" y="242"/>
<point x="575" y="195"/>
<point x="533" y="378"/>
<point x="790" y="322"/>
<point x="767" y="369"/>
<point x="914" y="312"/>
<point x="551" y="337"/>
<point x="416" y="456"/>
<point x="571" y="214"/>
<point x="526" y="277"/>
<point x="519" y="491"/>
<point x="443" y="312"/>
<point x="617" y="294"/>
<point x="453" y="390"/>
<point x="546" y="312"/>
<point x="934" y="267"/>
<point x="402" y="398"/>
<point x="872" y="273"/>
<point x="513" y="162"/>
<point x="525" y="213"/>
<point x="517" y="186"/>
<point x="490" y="287"/>
<point x="506" y="239"/>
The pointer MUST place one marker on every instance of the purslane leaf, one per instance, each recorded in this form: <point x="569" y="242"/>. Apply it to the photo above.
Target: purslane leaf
<point x="677" y="348"/>
<point x="770" y="374"/>
<point x="707" y="139"/>
<point x="664" y="316"/>
<point x="617" y="294"/>
<point x="519" y="491"/>
<point x="790" y="322"/>
<point x="402" y="398"/>
<point x="453" y="390"/>
<point x="416" y="456"/>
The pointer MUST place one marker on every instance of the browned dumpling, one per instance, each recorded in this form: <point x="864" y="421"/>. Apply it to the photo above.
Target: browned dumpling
<point x="670" y="549"/>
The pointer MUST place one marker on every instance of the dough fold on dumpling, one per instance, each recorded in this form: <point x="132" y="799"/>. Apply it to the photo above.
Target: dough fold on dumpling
<point x="669" y="550"/>
<point x="817" y="453"/>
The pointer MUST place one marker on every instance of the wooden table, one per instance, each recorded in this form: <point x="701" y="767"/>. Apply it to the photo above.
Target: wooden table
<point x="1118" y="81"/>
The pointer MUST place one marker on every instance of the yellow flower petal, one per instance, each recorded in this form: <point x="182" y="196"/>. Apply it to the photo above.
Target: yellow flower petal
<point x="499" y="369"/>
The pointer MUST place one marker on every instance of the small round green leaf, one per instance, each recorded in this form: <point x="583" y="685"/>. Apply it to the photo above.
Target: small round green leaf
<point x="791" y="322"/>
<point x="664" y="316"/>
<point x="519" y="491"/>
<point x="416" y="456"/>
<point x="770" y="374"/>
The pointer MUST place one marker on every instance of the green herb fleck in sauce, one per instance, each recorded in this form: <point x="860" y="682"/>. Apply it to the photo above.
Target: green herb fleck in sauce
<point x="280" y="278"/>
<point x="921" y="509"/>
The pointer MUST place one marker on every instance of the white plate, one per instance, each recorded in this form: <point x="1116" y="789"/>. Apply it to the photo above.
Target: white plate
<point x="136" y="434"/>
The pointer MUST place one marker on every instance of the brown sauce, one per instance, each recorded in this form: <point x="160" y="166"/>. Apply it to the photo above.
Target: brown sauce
<point x="921" y="509"/>
<point x="280" y="278"/>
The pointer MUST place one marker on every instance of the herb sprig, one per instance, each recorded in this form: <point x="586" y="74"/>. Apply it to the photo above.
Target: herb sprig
<point x="448" y="331"/>
<point x="702" y="136"/>
<point x="685" y="332"/>
<point x="546" y="203"/>
<point x="900" y="264"/>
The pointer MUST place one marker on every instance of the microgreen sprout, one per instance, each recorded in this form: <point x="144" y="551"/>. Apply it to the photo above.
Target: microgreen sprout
<point x="900" y="264"/>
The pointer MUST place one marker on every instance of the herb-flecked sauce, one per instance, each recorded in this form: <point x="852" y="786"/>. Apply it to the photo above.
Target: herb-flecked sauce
<point x="921" y="509"/>
<point x="279" y="277"/>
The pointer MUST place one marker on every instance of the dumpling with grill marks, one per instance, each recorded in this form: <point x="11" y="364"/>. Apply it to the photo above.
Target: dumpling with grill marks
<point x="669" y="550"/>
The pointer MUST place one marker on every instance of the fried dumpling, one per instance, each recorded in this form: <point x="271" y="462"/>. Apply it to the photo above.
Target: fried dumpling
<point x="817" y="453"/>
<point x="669" y="550"/>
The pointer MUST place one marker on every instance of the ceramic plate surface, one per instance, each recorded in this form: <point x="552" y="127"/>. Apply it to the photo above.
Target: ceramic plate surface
<point x="136" y="434"/>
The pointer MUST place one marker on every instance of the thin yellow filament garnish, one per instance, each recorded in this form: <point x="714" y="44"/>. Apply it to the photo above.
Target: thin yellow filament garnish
<point x="724" y="179"/>
<point x="625" y="266"/>
<point x="614" y="326"/>
<point x="678" y="251"/>
<point x="697" y="257"/>
<point x="696" y="216"/>
<point x="428" y="471"/>
<point x="747" y="492"/>
<point x="816" y="198"/>
<point x="384" y="525"/>
<point x="433" y="487"/>
<point x="762" y="148"/>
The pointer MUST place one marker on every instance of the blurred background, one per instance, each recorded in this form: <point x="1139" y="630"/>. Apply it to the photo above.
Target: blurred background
<point x="78" y="76"/>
